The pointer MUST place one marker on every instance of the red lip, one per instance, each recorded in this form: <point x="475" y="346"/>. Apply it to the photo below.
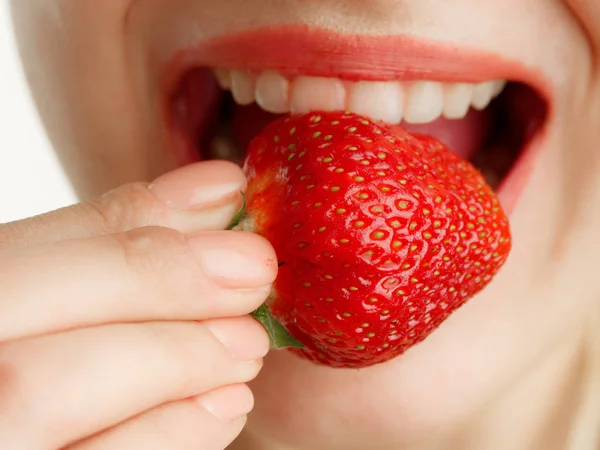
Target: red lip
<point x="302" y="50"/>
<point x="297" y="49"/>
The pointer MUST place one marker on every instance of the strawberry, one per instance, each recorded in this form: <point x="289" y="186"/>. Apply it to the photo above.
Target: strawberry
<point x="380" y="235"/>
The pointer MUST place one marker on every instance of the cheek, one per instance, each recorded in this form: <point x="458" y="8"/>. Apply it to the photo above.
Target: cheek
<point x="588" y="13"/>
<point x="75" y="56"/>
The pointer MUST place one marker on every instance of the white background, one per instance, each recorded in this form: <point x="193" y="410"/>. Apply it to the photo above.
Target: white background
<point x="31" y="180"/>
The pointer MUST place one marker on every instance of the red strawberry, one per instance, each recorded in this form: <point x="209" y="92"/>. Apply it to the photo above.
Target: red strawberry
<point x="380" y="234"/>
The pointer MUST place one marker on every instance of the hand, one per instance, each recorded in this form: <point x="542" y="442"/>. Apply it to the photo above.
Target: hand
<point x="124" y="320"/>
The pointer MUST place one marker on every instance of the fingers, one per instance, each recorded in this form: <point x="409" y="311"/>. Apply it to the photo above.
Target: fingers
<point x="96" y="378"/>
<point x="146" y="274"/>
<point x="102" y="290"/>
<point x="202" y="196"/>
<point x="208" y="422"/>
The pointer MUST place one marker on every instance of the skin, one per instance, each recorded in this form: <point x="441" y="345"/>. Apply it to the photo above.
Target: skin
<point x="508" y="370"/>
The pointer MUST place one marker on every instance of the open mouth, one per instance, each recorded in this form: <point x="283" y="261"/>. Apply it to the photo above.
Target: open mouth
<point x="214" y="113"/>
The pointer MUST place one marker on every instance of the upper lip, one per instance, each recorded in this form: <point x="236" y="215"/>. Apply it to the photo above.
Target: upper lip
<point x="302" y="50"/>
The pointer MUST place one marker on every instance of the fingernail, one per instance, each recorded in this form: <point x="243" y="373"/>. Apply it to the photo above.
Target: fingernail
<point x="243" y="337"/>
<point x="201" y="185"/>
<point x="228" y="403"/>
<point x="235" y="259"/>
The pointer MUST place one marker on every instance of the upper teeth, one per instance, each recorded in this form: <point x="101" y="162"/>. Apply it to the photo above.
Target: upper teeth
<point x="389" y="101"/>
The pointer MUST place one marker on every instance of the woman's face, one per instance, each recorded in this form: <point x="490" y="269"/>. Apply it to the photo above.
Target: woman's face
<point x="117" y="88"/>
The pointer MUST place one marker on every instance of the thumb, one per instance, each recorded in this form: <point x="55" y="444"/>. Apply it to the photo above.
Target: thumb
<point x="201" y="196"/>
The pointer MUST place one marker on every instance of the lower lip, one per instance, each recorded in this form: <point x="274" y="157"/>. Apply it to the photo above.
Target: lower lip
<point x="296" y="50"/>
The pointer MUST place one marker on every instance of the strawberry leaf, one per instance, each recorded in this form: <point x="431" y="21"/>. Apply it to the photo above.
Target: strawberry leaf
<point x="278" y="335"/>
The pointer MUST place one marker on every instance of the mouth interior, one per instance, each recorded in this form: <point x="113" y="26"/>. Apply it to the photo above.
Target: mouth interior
<point x="207" y="124"/>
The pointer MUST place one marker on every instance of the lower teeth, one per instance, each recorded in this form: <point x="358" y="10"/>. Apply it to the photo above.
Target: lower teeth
<point x="223" y="146"/>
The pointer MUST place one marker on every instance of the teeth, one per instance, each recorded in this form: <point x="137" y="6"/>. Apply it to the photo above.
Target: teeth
<point x="415" y="102"/>
<point x="223" y="147"/>
<point x="317" y="93"/>
<point x="223" y="78"/>
<point x="377" y="100"/>
<point x="242" y="87"/>
<point x="424" y="102"/>
<point x="272" y="92"/>
<point x="457" y="100"/>
<point x="499" y="86"/>
<point x="482" y="95"/>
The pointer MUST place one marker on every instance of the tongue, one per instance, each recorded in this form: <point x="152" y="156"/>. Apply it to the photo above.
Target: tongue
<point x="463" y="136"/>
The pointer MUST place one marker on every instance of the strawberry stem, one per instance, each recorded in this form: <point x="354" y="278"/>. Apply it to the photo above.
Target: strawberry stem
<point x="240" y="214"/>
<point x="279" y="337"/>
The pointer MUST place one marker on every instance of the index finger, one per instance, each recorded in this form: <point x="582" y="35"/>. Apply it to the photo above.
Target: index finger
<point x="201" y="196"/>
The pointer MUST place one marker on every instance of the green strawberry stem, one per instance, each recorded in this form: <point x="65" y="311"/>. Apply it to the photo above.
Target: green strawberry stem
<point x="240" y="214"/>
<point x="279" y="337"/>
